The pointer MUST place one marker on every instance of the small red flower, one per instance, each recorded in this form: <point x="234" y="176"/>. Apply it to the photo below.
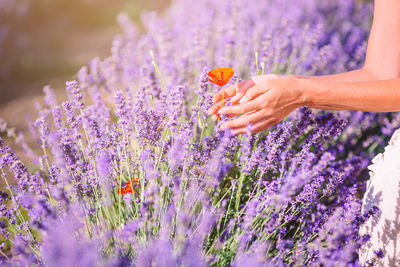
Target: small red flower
<point x="127" y="188"/>
<point x="220" y="76"/>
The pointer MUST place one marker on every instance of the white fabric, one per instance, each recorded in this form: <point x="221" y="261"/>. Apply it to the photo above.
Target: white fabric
<point x="383" y="190"/>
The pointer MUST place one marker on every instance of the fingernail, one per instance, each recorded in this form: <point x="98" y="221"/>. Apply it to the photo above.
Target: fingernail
<point x="243" y="100"/>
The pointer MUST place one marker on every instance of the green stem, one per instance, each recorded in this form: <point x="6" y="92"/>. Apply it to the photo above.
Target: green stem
<point x="157" y="70"/>
<point x="256" y="54"/>
<point x="262" y="68"/>
<point x="239" y="192"/>
<point x="3" y="254"/>
<point x="18" y="211"/>
<point x="223" y="96"/>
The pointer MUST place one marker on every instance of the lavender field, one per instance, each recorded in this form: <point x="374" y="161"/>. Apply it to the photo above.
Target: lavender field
<point x="289" y="196"/>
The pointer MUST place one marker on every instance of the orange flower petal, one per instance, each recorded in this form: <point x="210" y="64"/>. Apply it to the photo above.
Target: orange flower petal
<point x="221" y="76"/>
<point x="127" y="188"/>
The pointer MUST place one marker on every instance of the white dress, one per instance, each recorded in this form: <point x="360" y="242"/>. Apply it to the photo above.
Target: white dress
<point x="383" y="191"/>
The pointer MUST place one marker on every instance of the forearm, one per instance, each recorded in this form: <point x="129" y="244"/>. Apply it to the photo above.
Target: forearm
<point x="359" y="75"/>
<point x="371" y="96"/>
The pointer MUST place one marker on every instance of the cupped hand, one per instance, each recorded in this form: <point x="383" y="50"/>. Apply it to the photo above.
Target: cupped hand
<point x="261" y="101"/>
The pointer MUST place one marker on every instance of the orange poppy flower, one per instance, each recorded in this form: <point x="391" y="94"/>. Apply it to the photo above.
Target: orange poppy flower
<point x="127" y="188"/>
<point x="220" y="76"/>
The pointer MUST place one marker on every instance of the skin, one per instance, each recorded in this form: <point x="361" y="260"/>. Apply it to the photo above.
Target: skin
<point x="265" y="100"/>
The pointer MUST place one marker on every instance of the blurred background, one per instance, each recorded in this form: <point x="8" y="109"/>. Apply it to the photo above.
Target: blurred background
<point x="45" y="42"/>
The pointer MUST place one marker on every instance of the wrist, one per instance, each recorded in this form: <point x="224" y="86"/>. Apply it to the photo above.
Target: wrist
<point x="303" y="92"/>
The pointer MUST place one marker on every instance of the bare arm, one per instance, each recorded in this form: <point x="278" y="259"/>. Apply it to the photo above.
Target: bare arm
<point x="270" y="100"/>
<point x="376" y="86"/>
<point x="372" y="96"/>
<point x="359" y="75"/>
<point x="266" y="100"/>
<point x="383" y="52"/>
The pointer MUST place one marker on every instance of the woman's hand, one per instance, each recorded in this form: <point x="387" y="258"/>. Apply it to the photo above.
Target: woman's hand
<point x="261" y="101"/>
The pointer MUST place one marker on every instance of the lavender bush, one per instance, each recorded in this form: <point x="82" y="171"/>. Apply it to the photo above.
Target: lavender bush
<point x="287" y="196"/>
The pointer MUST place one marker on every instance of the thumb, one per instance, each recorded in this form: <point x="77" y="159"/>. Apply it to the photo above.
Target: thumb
<point x="241" y="89"/>
<point x="252" y="93"/>
<point x="258" y="89"/>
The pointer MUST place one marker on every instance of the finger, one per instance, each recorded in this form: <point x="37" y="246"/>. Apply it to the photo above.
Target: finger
<point x="214" y="109"/>
<point x="241" y="89"/>
<point x="237" y="97"/>
<point x="263" y="126"/>
<point x="216" y="117"/>
<point x="254" y="91"/>
<point x="259" y="126"/>
<point x="243" y="121"/>
<point x="238" y="89"/>
<point x="227" y="92"/>
<point x="241" y="108"/>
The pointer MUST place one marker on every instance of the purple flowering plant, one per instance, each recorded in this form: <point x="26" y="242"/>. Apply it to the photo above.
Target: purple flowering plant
<point x="287" y="196"/>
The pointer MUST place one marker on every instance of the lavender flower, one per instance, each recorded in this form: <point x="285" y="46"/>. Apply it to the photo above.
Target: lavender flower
<point x="287" y="196"/>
